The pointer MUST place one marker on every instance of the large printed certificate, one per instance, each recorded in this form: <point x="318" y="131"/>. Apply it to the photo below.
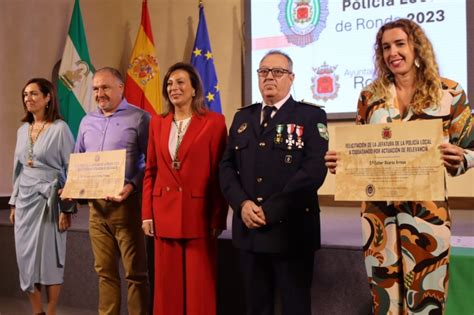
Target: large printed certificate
<point x="95" y="175"/>
<point x="390" y="162"/>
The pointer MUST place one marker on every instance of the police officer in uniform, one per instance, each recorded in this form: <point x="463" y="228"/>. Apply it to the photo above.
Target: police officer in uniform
<point x="270" y="173"/>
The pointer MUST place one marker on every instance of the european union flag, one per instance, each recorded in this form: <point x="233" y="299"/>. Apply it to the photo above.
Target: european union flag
<point x="203" y="61"/>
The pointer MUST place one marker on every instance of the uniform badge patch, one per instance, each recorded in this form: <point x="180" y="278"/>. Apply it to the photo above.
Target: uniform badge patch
<point x="323" y="131"/>
<point x="242" y="127"/>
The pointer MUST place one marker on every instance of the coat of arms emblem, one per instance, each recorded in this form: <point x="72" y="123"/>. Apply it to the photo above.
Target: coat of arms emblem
<point x="302" y="20"/>
<point x="71" y="77"/>
<point x="144" y="68"/>
<point x="386" y="133"/>
<point x="325" y="82"/>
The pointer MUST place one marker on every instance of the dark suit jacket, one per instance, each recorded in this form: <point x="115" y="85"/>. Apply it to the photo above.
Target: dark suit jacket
<point x="283" y="180"/>
<point x="185" y="203"/>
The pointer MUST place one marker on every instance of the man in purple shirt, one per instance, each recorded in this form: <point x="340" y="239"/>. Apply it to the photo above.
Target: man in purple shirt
<point x="115" y="222"/>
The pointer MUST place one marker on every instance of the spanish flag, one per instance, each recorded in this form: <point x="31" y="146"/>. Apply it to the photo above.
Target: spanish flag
<point x="143" y="83"/>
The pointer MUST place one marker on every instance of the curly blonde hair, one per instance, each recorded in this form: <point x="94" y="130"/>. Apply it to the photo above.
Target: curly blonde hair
<point x="428" y="89"/>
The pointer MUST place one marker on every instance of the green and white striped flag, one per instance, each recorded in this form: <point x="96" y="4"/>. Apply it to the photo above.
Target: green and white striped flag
<point x="75" y="74"/>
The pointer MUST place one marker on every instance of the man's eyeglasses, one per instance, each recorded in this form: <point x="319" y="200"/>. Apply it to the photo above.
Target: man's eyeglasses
<point x="276" y="72"/>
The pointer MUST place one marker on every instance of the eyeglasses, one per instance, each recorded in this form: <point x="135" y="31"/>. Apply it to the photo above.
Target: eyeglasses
<point x="276" y="72"/>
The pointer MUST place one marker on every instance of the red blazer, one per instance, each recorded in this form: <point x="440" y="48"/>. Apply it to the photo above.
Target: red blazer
<point x="185" y="203"/>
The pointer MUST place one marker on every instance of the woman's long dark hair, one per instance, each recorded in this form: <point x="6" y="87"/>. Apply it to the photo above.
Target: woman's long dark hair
<point x="198" y="105"/>
<point x="52" y="108"/>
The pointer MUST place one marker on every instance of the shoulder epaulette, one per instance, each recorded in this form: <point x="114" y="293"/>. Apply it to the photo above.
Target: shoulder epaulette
<point x="310" y="104"/>
<point x="248" y="106"/>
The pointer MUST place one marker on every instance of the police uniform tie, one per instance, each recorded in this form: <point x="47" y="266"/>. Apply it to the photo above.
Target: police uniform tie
<point x="267" y="115"/>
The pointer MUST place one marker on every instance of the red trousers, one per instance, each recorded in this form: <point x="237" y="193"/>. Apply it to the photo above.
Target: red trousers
<point x="185" y="276"/>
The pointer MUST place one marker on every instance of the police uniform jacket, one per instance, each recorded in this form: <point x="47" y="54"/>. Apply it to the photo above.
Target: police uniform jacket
<point x="283" y="178"/>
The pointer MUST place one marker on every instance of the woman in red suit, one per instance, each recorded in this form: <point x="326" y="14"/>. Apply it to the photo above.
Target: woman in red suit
<point x="183" y="208"/>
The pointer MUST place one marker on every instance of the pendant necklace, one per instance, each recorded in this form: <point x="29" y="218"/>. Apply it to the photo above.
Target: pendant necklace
<point x="32" y="141"/>
<point x="176" y="164"/>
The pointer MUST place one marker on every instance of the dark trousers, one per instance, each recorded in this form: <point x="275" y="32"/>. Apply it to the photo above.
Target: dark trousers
<point x="291" y="274"/>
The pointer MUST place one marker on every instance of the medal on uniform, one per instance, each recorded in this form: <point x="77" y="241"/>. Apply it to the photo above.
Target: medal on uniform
<point x="279" y="137"/>
<point x="290" y="128"/>
<point x="299" y="135"/>
<point x="242" y="128"/>
<point x="288" y="158"/>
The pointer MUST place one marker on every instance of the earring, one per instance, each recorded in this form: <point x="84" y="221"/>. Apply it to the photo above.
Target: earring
<point x="417" y="62"/>
<point x="194" y="93"/>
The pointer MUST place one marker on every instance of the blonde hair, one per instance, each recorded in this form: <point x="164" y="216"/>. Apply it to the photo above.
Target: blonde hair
<point x="428" y="88"/>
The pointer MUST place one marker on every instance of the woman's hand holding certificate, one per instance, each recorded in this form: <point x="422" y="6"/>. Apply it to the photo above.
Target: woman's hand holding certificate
<point x="389" y="162"/>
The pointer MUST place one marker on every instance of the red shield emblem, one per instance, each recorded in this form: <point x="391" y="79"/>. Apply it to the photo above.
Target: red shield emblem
<point x="325" y="82"/>
<point x="386" y="133"/>
<point x="302" y="12"/>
